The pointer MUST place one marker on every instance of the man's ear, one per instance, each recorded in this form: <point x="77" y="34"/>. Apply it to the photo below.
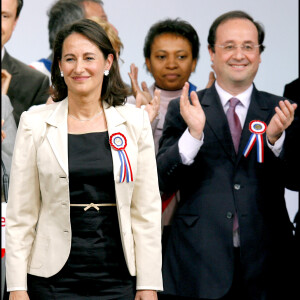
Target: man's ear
<point x="211" y="53"/>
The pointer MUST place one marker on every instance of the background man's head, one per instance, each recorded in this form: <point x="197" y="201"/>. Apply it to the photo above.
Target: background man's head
<point x="61" y="13"/>
<point x="93" y="8"/>
<point x="10" y="11"/>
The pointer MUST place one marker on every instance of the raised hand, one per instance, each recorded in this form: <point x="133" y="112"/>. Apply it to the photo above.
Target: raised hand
<point x="146" y="295"/>
<point x="282" y="119"/>
<point x="152" y="107"/>
<point x="142" y="96"/>
<point x="192" y="114"/>
<point x="5" y="81"/>
<point x="18" y="295"/>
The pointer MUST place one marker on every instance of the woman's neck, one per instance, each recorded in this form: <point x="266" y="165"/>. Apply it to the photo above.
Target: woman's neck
<point x="84" y="107"/>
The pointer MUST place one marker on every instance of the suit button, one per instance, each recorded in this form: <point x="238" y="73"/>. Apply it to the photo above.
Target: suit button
<point x="237" y="186"/>
<point x="229" y="215"/>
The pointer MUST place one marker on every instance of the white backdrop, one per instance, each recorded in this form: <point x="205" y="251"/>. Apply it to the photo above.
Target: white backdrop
<point x="133" y="19"/>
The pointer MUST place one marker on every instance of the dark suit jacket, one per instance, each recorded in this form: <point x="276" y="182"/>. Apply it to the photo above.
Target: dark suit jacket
<point x="27" y="87"/>
<point x="292" y="91"/>
<point x="199" y="258"/>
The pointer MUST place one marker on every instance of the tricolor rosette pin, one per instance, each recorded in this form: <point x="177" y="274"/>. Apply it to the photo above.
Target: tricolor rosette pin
<point x="257" y="128"/>
<point x="118" y="142"/>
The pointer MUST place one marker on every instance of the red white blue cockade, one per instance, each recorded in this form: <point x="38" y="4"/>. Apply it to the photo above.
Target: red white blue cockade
<point x="118" y="142"/>
<point x="258" y="128"/>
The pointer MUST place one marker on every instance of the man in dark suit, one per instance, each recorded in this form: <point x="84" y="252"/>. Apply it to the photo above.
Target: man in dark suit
<point x="27" y="87"/>
<point x="291" y="91"/>
<point x="231" y="234"/>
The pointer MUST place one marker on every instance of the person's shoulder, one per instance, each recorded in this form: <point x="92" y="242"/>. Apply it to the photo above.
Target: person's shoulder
<point x="27" y="70"/>
<point x="129" y="110"/>
<point x="39" y="113"/>
<point x="294" y="83"/>
<point x="268" y="97"/>
<point x="133" y="115"/>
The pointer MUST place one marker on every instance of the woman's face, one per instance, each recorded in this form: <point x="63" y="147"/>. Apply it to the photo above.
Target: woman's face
<point x="171" y="62"/>
<point x="83" y="65"/>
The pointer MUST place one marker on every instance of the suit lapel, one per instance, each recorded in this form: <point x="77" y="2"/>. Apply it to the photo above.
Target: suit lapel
<point x="217" y="121"/>
<point x="115" y="124"/>
<point x="58" y="134"/>
<point x="258" y="110"/>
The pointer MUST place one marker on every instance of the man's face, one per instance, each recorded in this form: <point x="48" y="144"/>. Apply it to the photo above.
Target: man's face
<point x="235" y="69"/>
<point x="8" y="19"/>
<point x="94" y="9"/>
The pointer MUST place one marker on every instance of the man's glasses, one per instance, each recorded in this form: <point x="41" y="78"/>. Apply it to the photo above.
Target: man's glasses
<point x="246" y="48"/>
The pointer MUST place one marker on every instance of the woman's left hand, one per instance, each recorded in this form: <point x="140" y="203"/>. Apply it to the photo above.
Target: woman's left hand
<point x="145" y="295"/>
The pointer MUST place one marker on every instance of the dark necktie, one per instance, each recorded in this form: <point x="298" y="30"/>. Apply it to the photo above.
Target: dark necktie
<point x="236" y="130"/>
<point x="234" y="123"/>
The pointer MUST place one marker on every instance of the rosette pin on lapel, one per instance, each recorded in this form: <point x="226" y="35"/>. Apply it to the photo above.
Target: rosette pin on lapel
<point x="118" y="142"/>
<point x="257" y="128"/>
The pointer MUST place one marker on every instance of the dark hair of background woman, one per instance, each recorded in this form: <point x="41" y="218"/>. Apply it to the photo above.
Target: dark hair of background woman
<point x="176" y="27"/>
<point x="114" y="91"/>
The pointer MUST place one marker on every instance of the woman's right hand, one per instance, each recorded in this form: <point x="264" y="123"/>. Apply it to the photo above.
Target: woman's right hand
<point x="18" y="295"/>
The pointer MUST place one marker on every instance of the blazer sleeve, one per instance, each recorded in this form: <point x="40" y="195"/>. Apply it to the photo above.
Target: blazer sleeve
<point x="146" y="214"/>
<point x="23" y="206"/>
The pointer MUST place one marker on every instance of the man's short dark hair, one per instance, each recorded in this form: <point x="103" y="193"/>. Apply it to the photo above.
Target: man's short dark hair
<point x="235" y="14"/>
<point x="96" y="1"/>
<point x="19" y="7"/>
<point x="62" y="12"/>
<point x="176" y="27"/>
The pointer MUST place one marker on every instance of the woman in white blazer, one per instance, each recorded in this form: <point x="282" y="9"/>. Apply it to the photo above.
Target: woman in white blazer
<point x="84" y="212"/>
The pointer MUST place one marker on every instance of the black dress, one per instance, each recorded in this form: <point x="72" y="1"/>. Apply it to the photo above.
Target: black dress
<point x="96" y="267"/>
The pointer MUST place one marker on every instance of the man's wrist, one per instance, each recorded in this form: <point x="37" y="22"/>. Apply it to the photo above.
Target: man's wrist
<point x="273" y="140"/>
<point x="195" y="134"/>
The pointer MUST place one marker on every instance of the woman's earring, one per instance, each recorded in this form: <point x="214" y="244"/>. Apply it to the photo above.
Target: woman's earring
<point x="106" y="72"/>
<point x="61" y="73"/>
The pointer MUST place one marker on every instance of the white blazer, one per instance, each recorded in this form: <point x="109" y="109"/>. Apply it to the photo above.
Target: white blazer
<point x="38" y="228"/>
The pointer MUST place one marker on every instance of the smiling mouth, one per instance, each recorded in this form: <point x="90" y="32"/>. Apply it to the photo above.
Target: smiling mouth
<point x="80" y="78"/>
<point x="237" y="66"/>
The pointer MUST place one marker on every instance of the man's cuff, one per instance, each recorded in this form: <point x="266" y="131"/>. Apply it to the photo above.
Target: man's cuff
<point x="189" y="147"/>
<point x="277" y="147"/>
<point x="17" y="288"/>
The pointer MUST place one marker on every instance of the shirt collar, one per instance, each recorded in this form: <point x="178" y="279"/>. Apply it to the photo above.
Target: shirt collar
<point x="244" y="97"/>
